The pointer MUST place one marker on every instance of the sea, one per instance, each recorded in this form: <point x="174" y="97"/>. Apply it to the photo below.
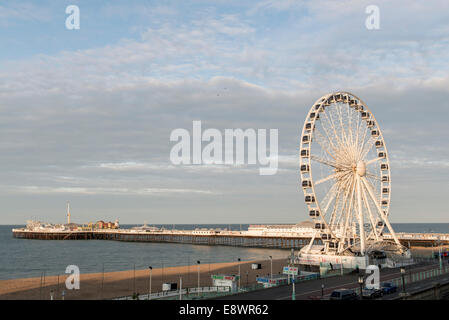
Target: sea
<point x="24" y="258"/>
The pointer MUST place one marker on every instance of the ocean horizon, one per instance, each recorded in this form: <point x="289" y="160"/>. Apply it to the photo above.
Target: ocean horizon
<point x="25" y="258"/>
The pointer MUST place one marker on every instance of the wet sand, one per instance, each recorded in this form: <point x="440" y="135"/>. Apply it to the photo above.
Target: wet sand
<point x="124" y="283"/>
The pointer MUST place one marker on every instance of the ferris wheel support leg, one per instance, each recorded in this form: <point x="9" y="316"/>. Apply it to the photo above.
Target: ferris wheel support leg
<point x="373" y="224"/>
<point x="360" y="214"/>
<point x="311" y="243"/>
<point x="345" y="230"/>
<point x="382" y="214"/>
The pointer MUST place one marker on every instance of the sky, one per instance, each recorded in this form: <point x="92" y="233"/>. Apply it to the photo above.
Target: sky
<point x="86" y="115"/>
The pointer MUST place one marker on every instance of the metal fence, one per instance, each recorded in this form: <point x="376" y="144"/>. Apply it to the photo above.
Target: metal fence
<point x="412" y="277"/>
<point x="214" y="292"/>
<point x="201" y="291"/>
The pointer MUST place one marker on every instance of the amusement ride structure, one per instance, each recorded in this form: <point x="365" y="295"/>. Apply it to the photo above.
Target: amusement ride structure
<point x="345" y="176"/>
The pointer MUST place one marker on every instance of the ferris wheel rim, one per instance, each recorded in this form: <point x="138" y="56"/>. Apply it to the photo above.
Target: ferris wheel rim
<point x="318" y="108"/>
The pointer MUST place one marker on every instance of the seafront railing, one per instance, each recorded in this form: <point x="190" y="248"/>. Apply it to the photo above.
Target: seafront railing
<point x="195" y="293"/>
<point x="187" y="293"/>
<point x="413" y="277"/>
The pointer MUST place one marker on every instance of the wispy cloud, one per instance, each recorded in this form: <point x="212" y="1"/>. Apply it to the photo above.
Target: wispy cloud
<point x="22" y="11"/>
<point x="105" y="191"/>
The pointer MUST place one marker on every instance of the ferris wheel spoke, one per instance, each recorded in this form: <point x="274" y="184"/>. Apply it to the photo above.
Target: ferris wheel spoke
<point x="328" y="162"/>
<point x="342" y="127"/>
<point x="381" y="213"/>
<point x="347" y="186"/>
<point x="345" y="235"/>
<point x="350" y="125"/>
<point x="331" y="122"/>
<point x="336" y="206"/>
<point x="373" y="176"/>
<point x="360" y="216"/>
<point x="362" y="145"/>
<point x="353" y="133"/>
<point x="327" y="139"/>
<point x="373" y="160"/>
<point x="331" y="176"/>
<point x="357" y="131"/>
<point x="336" y="214"/>
<point x="323" y="145"/>
<point x="373" y="223"/>
<point x="369" y="144"/>
<point x="329" y="197"/>
<point x="332" y="196"/>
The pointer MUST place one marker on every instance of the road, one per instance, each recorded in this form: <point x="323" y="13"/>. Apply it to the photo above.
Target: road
<point x="312" y="289"/>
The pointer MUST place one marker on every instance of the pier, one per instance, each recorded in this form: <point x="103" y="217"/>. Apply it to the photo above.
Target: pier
<point x="281" y="240"/>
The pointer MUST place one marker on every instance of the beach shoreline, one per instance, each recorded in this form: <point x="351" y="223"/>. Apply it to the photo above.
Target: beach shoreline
<point x="124" y="283"/>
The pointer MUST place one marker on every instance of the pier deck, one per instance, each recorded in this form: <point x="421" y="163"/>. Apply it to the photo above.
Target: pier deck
<point x="230" y="238"/>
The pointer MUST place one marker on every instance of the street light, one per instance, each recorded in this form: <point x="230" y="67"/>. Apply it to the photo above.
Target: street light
<point x="271" y="273"/>
<point x="293" y="289"/>
<point x="180" y="288"/>
<point x="134" y="279"/>
<point x="198" y="262"/>
<point x="239" y="272"/>
<point x="149" y="283"/>
<point x="403" y="280"/>
<point x="361" y="280"/>
<point x="439" y="254"/>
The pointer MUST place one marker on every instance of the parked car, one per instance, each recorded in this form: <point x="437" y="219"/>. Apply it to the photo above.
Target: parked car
<point x="388" y="287"/>
<point x="371" y="293"/>
<point x="343" y="294"/>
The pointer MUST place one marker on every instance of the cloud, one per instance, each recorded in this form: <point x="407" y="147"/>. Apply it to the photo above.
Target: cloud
<point x="22" y="11"/>
<point x="98" y="120"/>
<point x="42" y="190"/>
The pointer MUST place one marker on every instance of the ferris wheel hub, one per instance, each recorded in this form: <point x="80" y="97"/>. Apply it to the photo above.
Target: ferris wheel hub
<point x="361" y="168"/>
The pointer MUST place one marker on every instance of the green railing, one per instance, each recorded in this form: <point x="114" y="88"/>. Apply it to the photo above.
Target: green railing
<point x="412" y="277"/>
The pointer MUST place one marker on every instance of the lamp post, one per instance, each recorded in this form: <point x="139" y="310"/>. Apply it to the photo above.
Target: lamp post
<point x="180" y="288"/>
<point x="134" y="279"/>
<point x="57" y="289"/>
<point x="293" y="289"/>
<point x="40" y="290"/>
<point x="361" y="280"/>
<point x="403" y="280"/>
<point x="198" y="262"/>
<point x="149" y="282"/>
<point x="102" y="281"/>
<point x="239" y="272"/>
<point x="271" y="268"/>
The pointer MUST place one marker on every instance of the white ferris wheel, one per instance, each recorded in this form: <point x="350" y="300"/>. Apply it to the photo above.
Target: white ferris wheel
<point x="345" y="175"/>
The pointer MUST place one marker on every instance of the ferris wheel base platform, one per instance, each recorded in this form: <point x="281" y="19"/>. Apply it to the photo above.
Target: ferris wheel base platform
<point x="336" y="262"/>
